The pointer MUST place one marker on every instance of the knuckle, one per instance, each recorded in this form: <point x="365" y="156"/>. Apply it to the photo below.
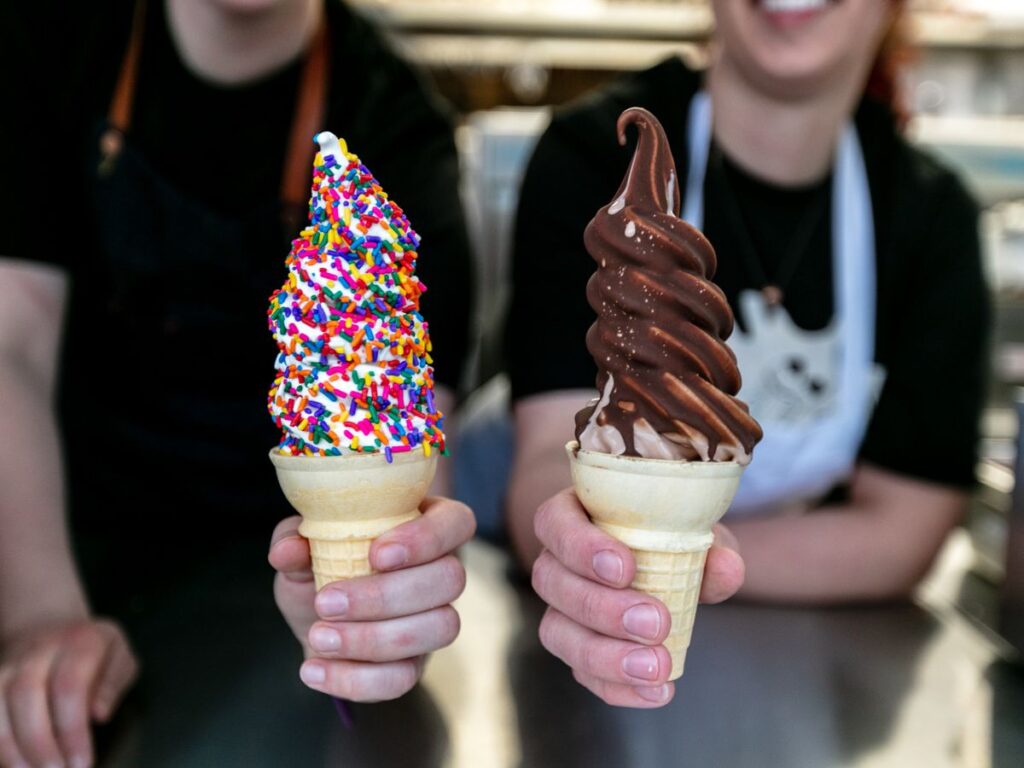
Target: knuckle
<point x="68" y="680"/>
<point x="403" y="678"/>
<point x="591" y="607"/>
<point x="454" y="575"/>
<point x="543" y="518"/>
<point x="463" y="515"/>
<point x="548" y="631"/>
<point x="541" y="574"/>
<point x="591" y="659"/>
<point x="451" y="624"/>
<point x="367" y="597"/>
<point x="434" y="542"/>
<point x="24" y="684"/>
<point x="284" y="528"/>
<point x="544" y="632"/>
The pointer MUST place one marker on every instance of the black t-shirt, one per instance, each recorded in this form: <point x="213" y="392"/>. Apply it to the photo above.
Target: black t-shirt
<point x="222" y="149"/>
<point x="932" y="304"/>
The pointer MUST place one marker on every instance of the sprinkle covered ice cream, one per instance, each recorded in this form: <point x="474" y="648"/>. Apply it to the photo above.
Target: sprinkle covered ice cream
<point x="354" y="371"/>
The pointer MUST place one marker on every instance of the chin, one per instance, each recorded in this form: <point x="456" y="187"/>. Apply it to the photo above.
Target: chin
<point x="799" y="46"/>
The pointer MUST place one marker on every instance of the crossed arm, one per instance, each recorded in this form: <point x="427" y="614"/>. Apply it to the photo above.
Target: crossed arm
<point x="876" y="546"/>
<point x="60" y="667"/>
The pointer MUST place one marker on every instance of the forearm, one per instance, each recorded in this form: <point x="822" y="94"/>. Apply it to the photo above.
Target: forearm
<point x="845" y="553"/>
<point x="38" y="580"/>
<point x="536" y="477"/>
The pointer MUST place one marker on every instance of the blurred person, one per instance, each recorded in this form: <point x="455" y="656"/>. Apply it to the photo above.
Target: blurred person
<point x="148" y="198"/>
<point x="851" y="260"/>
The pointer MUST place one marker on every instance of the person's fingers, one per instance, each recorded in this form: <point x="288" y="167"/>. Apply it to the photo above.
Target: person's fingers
<point x="384" y="641"/>
<point x="359" y="681"/>
<point x="10" y="755"/>
<point x="724" y="569"/>
<point x="289" y="551"/>
<point x="119" y="671"/>
<point x="725" y="537"/>
<point x="295" y="601"/>
<point x="389" y="595"/>
<point x="29" y="711"/>
<point x="622" y="613"/>
<point x="444" y="525"/>
<point x="594" y="655"/>
<point x="564" y="529"/>
<point x="74" y="674"/>
<point x="619" y="695"/>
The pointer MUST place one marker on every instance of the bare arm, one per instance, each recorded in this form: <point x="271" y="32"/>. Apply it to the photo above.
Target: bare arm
<point x="59" y="667"/>
<point x="878" y="546"/>
<point x="37" y="577"/>
<point x="540" y="469"/>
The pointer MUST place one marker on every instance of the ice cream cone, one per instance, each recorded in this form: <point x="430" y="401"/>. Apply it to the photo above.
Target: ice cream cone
<point x="348" y="501"/>
<point x="663" y="511"/>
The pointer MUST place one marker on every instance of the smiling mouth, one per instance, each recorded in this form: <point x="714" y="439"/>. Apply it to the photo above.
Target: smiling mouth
<point x="793" y="6"/>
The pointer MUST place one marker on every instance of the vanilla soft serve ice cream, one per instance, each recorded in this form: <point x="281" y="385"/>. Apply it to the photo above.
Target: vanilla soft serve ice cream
<point x="354" y="370"/>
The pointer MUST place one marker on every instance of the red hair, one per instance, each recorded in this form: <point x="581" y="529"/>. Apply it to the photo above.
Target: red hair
<point x="895" y="52"/>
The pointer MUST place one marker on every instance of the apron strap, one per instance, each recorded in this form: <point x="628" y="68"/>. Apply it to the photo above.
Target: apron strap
<point x="307" y="120"/>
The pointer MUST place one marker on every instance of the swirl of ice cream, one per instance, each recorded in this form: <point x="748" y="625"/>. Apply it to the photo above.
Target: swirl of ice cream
<point x="666" y="377"/>
<point x="353" y="368"/>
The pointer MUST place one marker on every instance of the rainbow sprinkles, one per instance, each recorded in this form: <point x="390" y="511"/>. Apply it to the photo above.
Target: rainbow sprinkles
<point x="354" y="370"/>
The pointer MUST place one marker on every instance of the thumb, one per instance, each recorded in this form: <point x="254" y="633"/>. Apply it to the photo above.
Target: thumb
<point x="116" y="675"/>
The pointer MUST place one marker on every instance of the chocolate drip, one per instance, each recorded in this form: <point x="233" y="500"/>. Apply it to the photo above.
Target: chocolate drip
<point x="661" y="323"/>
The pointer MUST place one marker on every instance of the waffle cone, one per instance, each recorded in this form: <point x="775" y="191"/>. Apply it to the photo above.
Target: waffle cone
<point x="663" y="511"/>
<point x="348" y="501"/>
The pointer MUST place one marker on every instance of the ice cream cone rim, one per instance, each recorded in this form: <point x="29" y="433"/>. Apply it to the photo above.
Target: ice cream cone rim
<point x="655" y="467"/>
<point x="658" y="540"/>
<point x="347" y="461"/>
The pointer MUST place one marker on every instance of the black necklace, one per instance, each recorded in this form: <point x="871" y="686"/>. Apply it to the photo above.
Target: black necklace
<point x="773" y="290"/>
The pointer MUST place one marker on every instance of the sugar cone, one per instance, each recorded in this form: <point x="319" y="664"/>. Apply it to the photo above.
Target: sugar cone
<point x="663" y="511"/>
<point x="348" y="501"/>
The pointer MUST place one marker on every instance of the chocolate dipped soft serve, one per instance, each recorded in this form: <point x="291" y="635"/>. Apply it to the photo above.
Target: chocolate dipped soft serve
<point x="667" y="380"/>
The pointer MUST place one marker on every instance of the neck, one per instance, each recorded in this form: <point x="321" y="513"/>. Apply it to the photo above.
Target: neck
<point x="779" y="138"/>
<point x="230" y="46"/>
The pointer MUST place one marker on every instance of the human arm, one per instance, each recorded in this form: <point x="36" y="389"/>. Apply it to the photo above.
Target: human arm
<point x="59" y="668"/>
<point x="367" y="639"/>
<point x="877" y="546"/>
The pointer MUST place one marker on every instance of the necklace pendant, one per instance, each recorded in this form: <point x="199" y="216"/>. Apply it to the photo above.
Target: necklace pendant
<point x="772" y="295"/>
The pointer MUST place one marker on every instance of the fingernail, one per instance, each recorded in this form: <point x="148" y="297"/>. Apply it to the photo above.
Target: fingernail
<point x="642" y="621"/>
<point x="655" y="694"/>
<point x="392" y="556"/>
<point x="608" y="566"/>
<point x="80" y="761"/>
<point x="642" y="663"/>
<point x="313" y="674"/>
<point x="324" y="639"/>
<point x="332" y="604"/>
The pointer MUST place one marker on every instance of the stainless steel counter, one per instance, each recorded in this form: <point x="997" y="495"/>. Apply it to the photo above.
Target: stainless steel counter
<point x="899" y="686"/>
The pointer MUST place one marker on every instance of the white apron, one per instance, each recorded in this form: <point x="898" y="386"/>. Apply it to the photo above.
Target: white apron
<point x="812" y="392"/>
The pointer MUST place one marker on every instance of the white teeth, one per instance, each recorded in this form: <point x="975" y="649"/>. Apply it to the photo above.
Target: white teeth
<point x="781" y="6"/>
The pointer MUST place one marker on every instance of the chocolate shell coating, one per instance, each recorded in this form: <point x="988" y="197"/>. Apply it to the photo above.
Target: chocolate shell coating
<point x="659" y="338"/>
